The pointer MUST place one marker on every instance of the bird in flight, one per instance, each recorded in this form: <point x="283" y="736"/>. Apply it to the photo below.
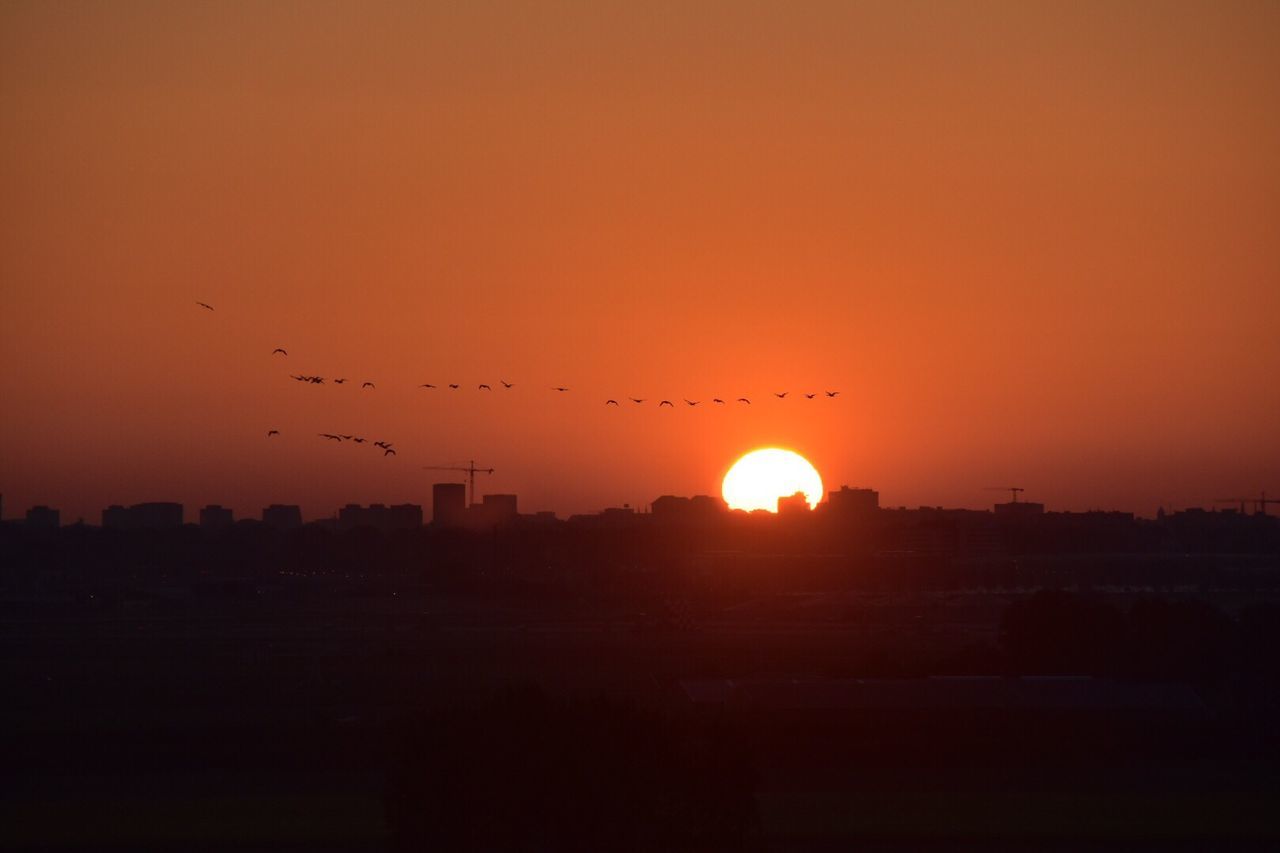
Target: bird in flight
<point x="316" y="380"/>
<point x="780" y="396"/>
<point x="810" y="396"/>
<point x="279" y="350"/>
<point x="330" y="436"/>
<point x="205" y="305"/>
<point x="666" y="403"/>
<point x="359" y="439"/>
<point x="832" y="393"/>
<point x="505" y="383"/>
<point x="559" y="388"/>
<point x="717" y="400"/>
<point x="339" y="381"/>
<point x="636" y="399"/>
<point x="385" y="445"/>
<point x="484" y="387"/>
<point x="693" y="402"/>
<point x="454" y="386"/>
<point x="426" y="385"/>
<point x="611" y="402"/>
<point x="368" y="385"/>
<point x="388" y="452"/>
<point x="744" y="400"/>
<point x="272" y="432"/>
<point x="299" y="378"/>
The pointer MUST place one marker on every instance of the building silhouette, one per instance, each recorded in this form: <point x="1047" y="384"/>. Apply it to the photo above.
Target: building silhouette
<point x="853" y="502"/>
<point x="380" y="517"/>
<point x="282" y="516"/>
<point x="157" y="515"/>
<point x="792" y="504"/>
<point x="215" y="517"/>
<point x="43" y="518"/>
<point x="448" y="504"/>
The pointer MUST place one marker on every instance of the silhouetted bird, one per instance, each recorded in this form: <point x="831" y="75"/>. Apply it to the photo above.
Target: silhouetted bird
<point x="316" y="380"/>
<point x="743" y="400"/>
<point x="345" y="437"/>
<point x="780" y="396"/>
<point x="636" y="399"/>
<point x="810" y="396"/>
<point x="388" y="452"/>
<point x="339" y="381"/>
<point x="426" y="385"/>
<point x="278" y="350"/>
<point x="505" y="383"/>
<point x="299" y="378"/>
<point x="484" y="387"/>
<point x="330" y="436"/>
<point x="717" y="400"/>
<point x="832" y="393"/>
<point x="611" y="402"/>
<point x="666" y="403"/>
<point x="383" y="444"/>
<point x="559" y="388"/>
<point x="272" y="432"/>
<point x="359" y="440"/>
<point x="368" y="385"/>
<point x="693" y="402"/>
<point x="454" y="386"/>
<point x="205" y="305"/>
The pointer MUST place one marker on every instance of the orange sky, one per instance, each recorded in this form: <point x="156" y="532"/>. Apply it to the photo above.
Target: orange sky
<point x="1033" y="244"/>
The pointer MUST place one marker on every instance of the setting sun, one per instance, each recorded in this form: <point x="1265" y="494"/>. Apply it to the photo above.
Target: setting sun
<point x="759" y="478"/>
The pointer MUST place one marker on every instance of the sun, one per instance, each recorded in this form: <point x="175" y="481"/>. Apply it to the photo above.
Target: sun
<point x="759" y="478"/>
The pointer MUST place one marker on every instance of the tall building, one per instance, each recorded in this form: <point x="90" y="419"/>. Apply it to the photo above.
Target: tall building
<point x="214" y="517"/>
<point x="282" y="516"/>
<point x="499" y="509"/>
<point x="43" y="518"/>
<point x="448" y="504"/>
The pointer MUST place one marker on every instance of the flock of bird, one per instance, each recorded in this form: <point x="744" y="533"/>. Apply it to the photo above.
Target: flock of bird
<point x="388" y="450"/>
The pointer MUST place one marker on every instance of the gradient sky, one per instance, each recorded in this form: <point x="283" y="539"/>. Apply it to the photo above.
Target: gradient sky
<point x="1033" y="244"/>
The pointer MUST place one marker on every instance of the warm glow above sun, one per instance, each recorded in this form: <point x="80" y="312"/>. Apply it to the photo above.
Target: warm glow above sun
<point x="759" y="478"/>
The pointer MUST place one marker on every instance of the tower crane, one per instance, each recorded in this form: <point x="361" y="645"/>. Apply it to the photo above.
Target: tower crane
<point x="471" y="470"/>
<point x="1013" y="490"/>
<point x="1260" y="502"/>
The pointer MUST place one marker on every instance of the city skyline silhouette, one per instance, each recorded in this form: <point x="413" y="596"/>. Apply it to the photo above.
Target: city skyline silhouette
<point x="684" y="426"/>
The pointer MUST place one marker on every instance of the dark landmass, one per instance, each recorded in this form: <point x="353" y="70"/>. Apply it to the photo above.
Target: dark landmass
<point x="800" y="683"/>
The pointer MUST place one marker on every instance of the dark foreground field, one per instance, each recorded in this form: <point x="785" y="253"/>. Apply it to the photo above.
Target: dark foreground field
<point x="319" y="720"/>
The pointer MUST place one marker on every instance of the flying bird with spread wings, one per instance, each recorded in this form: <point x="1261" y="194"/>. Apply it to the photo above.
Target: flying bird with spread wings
<point x="666" y="403"/>
<point x="205" y="305"/>
<point x="272" y="432"/>
<point x="611" y="402"/>
<point x="368" y="385"/>
<point x="279" y="350"/>
<point x="833" y="393"/>
<point x="484" y="387"/>
<point x="505" y="383"/>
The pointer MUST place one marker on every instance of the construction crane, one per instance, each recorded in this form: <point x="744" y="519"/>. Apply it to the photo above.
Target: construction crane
<point x="471" y="470"/>
<point x="1011" y="489"/>
<point x="1259" y="502"/>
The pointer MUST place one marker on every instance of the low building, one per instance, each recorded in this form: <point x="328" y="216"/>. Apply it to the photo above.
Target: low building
<point x="43" y="518"/>
<point x="282" y="516"/>
<point x="215" y="517"/>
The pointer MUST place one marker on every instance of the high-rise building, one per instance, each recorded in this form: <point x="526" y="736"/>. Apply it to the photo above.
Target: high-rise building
<point x="282" y="516"/>
<point x="43" y="518"/>
<point x="448" y="504"/>
<point x="214" y="517"/>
